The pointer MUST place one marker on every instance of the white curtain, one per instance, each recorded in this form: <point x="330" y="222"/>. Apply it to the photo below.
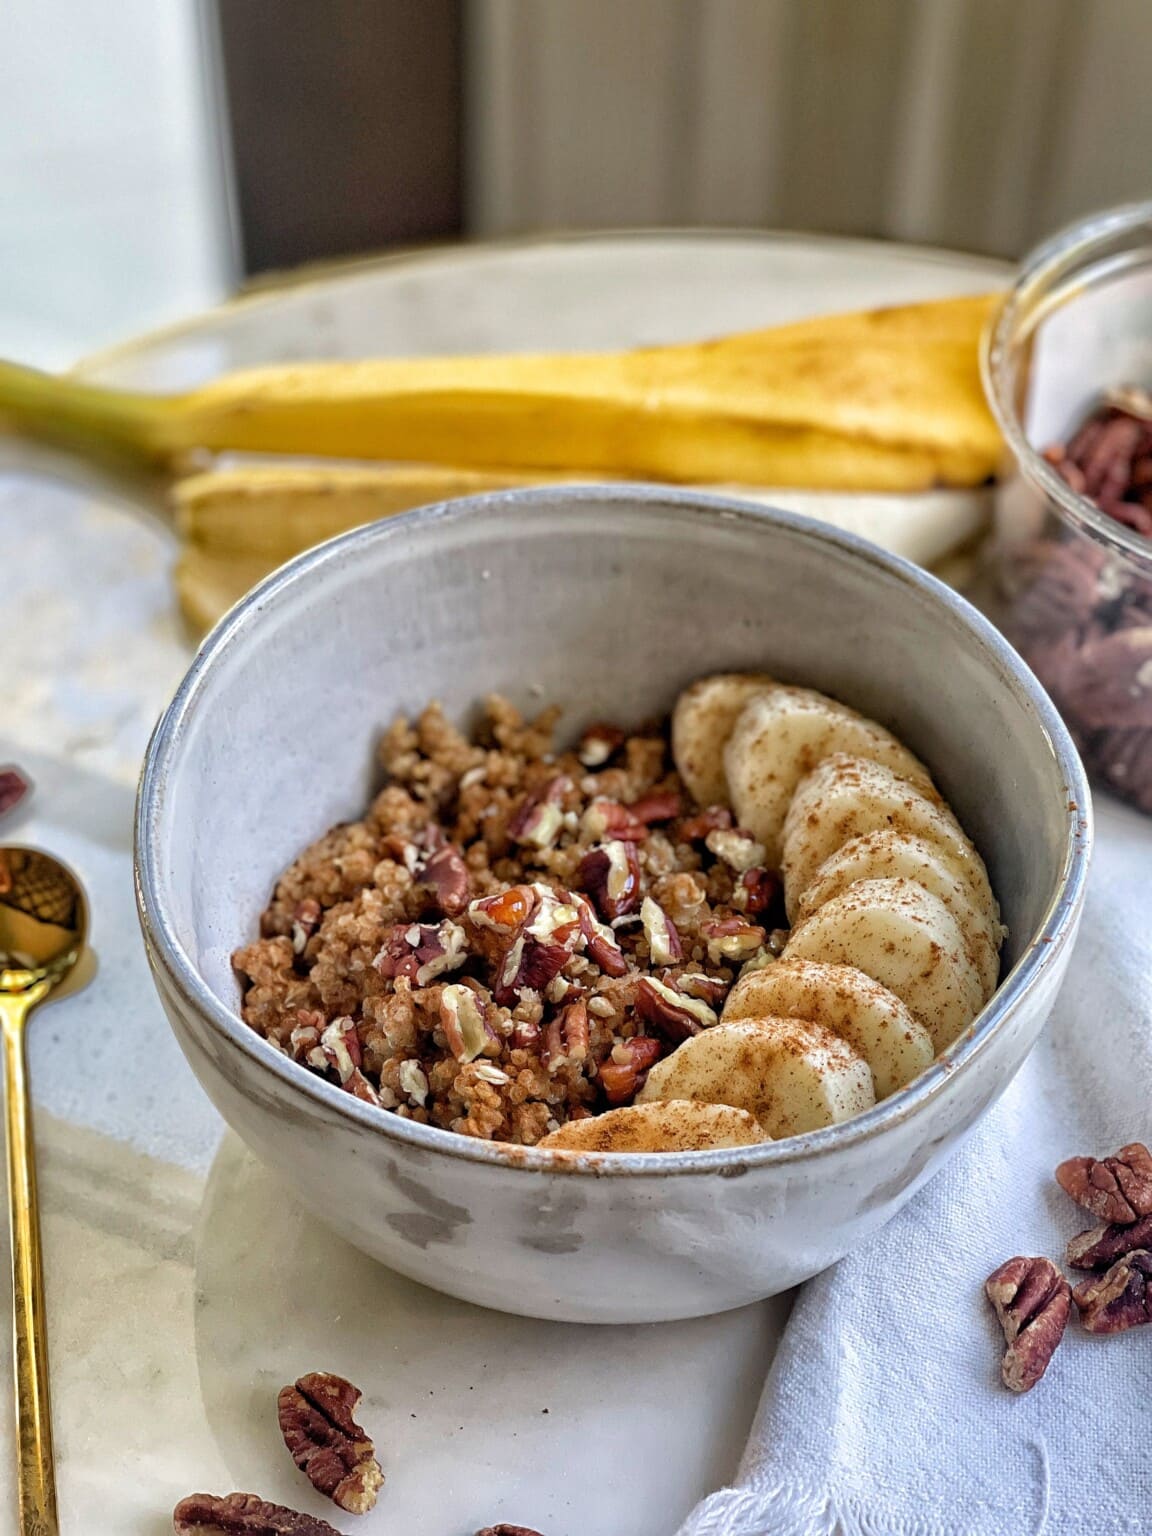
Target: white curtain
<point x="979" y="124"/>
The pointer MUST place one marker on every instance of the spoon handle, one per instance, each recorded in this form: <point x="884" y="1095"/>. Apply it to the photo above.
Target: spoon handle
<point x="38" y="1515"/>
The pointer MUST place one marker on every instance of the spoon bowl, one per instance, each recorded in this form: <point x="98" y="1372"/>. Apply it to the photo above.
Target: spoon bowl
<point x="43" y="932"/>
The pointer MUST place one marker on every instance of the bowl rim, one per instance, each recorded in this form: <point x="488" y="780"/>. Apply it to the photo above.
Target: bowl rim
<point x="168" y="955"/>
<point x="1083" y="238"/>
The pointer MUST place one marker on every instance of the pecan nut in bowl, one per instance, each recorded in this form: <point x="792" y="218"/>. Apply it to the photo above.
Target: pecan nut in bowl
<point x="1032" y="1301"/>
<point x="1121" y="1298"/>
<point x="1116" y="1189"/>
<point x="242" y="1514"/>
<point x="326" y="1443"/>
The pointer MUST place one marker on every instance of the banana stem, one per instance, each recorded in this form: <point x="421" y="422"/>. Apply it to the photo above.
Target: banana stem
<point x="87" y="417"/>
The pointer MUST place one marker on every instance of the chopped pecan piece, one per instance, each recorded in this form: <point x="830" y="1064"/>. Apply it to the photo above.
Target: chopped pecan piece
<point x="339" y="1048"/>
<point x="608" y="819"/>
<point x="422" y="951"/>
<point x="622" y="1074"/>
<point x="671" y="1013"/>
<point x="611" y="876"/>
<point x="445" y="875"/>
<point x="326" y="1443"/>
<point x="659" y="805"/>
<point x="663" y="941"/>
<point x="1032" y="1301"/>
<point x="736" y="848"/>
<point x="462" y="1020"/>
<point x="709" y="989"/>
<point x="696" y="829"/>
<point x="242" y="1514"/>
<point x="566" y="1036"/>
<point x="600" y="942"/>
<point x="505" y="912"/>
<point x="757" y="890"/>
<point x="731" y="939"/>
<point x="538" y="822"/>
<point x="1119" y="1299"/>
<point x="1116" y="1189"/>
<point x="1100" y="1247"/>
<point x="305" y="921"/>
<point x="599" y="742"/>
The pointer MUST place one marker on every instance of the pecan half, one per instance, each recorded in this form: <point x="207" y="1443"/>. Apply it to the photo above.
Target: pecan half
<point x="507" y="1530"/>
<point x="242" y="1514"/>
<point x="671" y="1013"/>
<point x="611" y="876"/>
<point x="1116" y="1189"/>
<point x="326" y="1443"/>
<point x="13" y="787"/>
<point x="622" y="1074"/>
<point x="1100" y="1247"/>
<point x="1121" y="1298"/>
<point x="1032" y="1301"/>
<point x="599" y="742"/>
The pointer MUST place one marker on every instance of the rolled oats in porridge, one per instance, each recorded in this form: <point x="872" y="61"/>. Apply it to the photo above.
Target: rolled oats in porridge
<point x="517" y="940"/>
<point x="513" y="935"/>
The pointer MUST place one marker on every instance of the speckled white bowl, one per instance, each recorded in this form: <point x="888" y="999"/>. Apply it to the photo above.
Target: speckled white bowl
<point x="609" y="601"/>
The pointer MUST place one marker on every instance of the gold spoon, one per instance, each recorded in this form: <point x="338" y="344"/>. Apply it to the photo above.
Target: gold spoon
<point x="43" y="927"/>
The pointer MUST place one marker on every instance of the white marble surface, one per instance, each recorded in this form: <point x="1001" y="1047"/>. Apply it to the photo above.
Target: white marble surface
<point x="185" y="1286"/>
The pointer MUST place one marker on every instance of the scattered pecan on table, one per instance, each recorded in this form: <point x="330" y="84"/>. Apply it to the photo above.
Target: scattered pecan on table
<point x="242" y="1514"/>
<point x="1120" y="1299"/>
<point x="1115" y="1189"/>
<point x="507" y="1530"/>
<point x="327" y="1444"/>
<point x="1100" y="1247"/>
<point x="13" y="788"/>
<point x="1032" y="1300"/>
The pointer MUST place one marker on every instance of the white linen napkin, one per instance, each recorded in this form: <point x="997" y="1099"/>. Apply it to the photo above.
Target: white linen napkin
<point x="883" y="1413"/>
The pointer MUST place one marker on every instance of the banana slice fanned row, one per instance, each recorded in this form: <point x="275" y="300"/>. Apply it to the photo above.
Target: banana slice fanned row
<point x="896" y="940"/>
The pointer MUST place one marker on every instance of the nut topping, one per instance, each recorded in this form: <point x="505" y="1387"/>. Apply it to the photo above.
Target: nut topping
<point x="1032" y="1301"/>
<point x="756" y="891"/>
<point x="696" y="829"/>
<point x="566" y="1037"/>
<point x="609" y="819"/>
<point x="339" y="1048"/>
<point x="600" y="942"/>
<point x="422" y="951"/>
<point x="327" y="1444"/>
<point x="622" y="1075"/>
<point x="1100" y="1247"/>
<point x="675" y="1016"/>
<point x="738" y="849"/>
<point x="446" y="875"/>
<point x="305" y="921"/>
<point x="611" y="876"/>
<point x="663" y="941"/>
<point x="731" y="938"/>
<point x="1115" y="1189"/>
<point x="242" y="1514"/>
<point x="1121" y="1298"/>
<point x="599" y="742"/>
<point x="462" y="1020"/>
<point x="538" y="822"/>
<point x="660" y="805"/>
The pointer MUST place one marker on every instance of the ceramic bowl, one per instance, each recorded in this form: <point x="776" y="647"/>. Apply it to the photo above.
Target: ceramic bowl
<point x="607" y="600"/>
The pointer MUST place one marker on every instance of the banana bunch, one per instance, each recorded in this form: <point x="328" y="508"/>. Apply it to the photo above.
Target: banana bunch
<point x="896" y="939"/>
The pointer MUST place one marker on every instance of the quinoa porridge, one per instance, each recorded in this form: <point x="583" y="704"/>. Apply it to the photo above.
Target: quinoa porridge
<point x="513" y="935"/>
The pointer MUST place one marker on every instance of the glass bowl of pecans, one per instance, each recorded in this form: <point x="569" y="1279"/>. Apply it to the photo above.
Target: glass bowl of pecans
<point x="1068" y="370"/>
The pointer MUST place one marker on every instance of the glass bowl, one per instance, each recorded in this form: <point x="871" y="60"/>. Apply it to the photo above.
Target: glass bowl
<point x="1072" y="585"/>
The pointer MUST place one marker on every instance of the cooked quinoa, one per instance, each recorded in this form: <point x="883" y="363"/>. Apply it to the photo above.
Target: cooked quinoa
<point x="513" y="935"/>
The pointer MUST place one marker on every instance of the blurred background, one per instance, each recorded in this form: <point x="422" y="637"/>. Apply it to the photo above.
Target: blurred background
<point x="157" y="154"/>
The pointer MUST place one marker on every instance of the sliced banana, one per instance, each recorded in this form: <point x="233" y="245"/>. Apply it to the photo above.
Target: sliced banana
<point x="888" y="855"/>
<point x="679" y="1125"/>
<point x="872" y="1019"/>
<point x="847" y="797"/>
<point x="905" y="938"/>
<point x="780" y="735"/>
<point x="791" y="1075"/>
<point x="702" y="721"/>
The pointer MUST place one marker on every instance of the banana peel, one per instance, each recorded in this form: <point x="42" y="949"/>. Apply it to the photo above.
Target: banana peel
<point x="884" y="399"/>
